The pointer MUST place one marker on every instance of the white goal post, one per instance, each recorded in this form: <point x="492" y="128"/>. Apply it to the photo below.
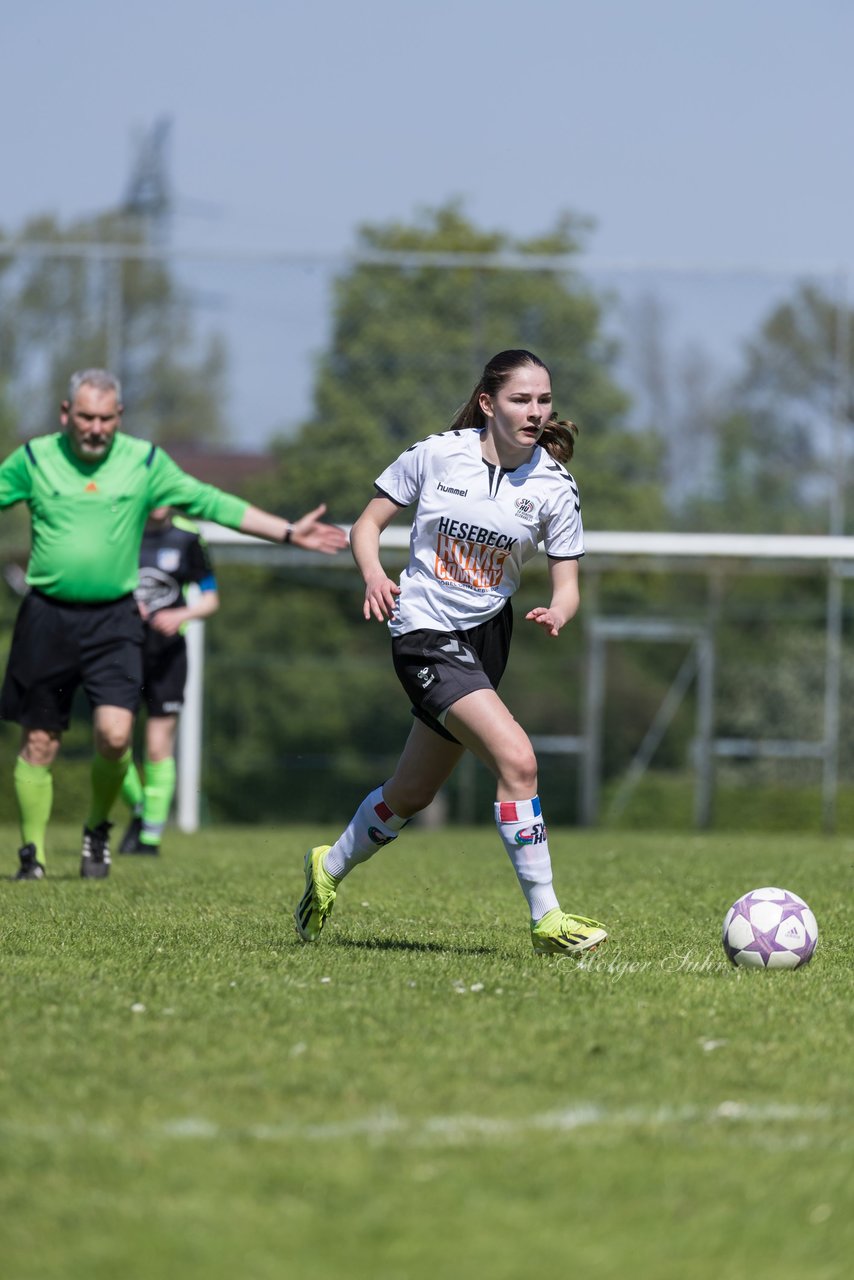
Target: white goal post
<point x="662" y="551"/>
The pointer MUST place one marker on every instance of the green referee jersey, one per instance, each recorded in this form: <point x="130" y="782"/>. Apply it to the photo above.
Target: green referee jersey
<point x="87" y="517"/>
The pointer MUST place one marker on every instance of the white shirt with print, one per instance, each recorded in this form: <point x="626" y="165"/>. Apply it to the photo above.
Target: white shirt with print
<point x="475" y="526"/>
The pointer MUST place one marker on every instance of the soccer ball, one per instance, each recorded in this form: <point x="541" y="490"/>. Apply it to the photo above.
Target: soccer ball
<point x="770" y="929"/>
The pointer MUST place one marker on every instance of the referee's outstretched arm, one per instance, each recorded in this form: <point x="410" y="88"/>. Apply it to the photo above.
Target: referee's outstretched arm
<point x="309" y="532"/>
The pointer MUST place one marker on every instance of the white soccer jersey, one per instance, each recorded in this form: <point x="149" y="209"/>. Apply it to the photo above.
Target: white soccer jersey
<point x="475" y="526"/>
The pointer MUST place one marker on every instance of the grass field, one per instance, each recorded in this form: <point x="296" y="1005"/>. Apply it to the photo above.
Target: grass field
<point x="187" y="1091"/>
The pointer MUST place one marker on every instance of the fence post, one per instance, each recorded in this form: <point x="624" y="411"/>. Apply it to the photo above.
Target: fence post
<point x="704" y="795"/>
<point x="594" y="696"/>
<point x="189" y="781"/>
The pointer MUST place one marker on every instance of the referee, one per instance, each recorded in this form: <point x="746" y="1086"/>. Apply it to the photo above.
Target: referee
<point x="89" y="488"/>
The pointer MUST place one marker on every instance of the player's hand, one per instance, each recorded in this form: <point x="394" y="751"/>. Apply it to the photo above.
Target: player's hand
<point x="549" y="619"/>
<point x="312" y="534"/>
<point x="380" y="598"/>
<point x="168" y="621"/>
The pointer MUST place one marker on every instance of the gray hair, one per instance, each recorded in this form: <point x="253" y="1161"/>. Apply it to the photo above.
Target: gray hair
<point x="98" y="378"/>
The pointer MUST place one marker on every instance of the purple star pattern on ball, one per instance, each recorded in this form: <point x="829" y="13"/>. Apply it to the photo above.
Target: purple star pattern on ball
<point x="763" y="944"/>
<point x="770" y="929"/>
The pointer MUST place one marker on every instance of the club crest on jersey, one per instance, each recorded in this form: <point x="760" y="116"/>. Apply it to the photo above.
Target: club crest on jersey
<point x="531" y="835"/>
<point x="168" y="559"/>
<point x="524" y="508"/>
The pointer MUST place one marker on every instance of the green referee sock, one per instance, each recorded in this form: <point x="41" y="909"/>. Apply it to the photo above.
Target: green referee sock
<point x="107" y="777"/>
<point x="34" y="792"/>
<point x="132" y="792"/>
<point x="159" y="790"/>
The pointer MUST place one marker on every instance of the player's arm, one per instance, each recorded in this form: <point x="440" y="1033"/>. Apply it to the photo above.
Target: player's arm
<point x="380" y="591"/>
<point x="170" y="621"/>
<point x="205" y="604"/>
<point x="16" y="476"/>
<point x="309" y="532"/>
<point x="565" y="597"/>
<point x="172" y="487"/>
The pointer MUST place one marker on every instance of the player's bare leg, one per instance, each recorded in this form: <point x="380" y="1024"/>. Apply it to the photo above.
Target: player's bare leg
<point x="426" y="762"/>
<point x="484" y="724"/>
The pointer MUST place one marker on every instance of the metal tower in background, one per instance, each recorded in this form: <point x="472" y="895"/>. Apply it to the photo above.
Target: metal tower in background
<point x="148" y="195"/>
<point x="146" y="208"/>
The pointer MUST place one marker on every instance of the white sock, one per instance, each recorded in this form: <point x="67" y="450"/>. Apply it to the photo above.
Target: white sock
<point x="372" y="826"/>
<point x="521" y="827"/>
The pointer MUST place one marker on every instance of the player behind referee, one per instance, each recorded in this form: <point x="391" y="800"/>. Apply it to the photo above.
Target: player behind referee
<point x="173" y="558"/>
<point x="89" y="488"/>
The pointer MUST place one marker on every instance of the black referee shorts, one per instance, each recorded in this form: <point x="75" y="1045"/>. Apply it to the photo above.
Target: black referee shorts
<point x="437" y="668"/>
<point x="57" y="646"/>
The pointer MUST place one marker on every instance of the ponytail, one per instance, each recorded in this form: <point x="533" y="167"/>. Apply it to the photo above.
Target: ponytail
<point x="558" y="438"/>
<point x="470" y="414"/>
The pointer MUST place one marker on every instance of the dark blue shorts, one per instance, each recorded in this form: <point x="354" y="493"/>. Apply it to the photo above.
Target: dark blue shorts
<point x="164" y="673"/>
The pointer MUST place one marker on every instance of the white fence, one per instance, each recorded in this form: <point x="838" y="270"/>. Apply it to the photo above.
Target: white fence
<point x="707" y="554"/>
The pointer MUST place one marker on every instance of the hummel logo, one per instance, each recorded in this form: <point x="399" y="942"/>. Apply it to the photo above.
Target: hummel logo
<point x="454" y="647"/>
<point x="426" y="677"/>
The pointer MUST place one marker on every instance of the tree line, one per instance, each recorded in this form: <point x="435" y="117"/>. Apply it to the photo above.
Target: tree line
<point x="301" y="710"/>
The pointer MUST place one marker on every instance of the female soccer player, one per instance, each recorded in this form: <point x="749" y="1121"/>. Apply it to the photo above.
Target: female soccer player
<point x="487" y="491"/>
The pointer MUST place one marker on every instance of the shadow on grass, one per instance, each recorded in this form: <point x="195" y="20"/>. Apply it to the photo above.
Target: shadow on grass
<point x="52" y="877"/>
<point x="406" y="944"/>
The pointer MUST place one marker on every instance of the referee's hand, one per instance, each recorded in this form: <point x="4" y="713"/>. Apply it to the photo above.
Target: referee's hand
<point x="312" y="534"/>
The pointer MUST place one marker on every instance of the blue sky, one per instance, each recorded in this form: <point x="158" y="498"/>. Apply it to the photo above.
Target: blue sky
<point x="713" y="133"/>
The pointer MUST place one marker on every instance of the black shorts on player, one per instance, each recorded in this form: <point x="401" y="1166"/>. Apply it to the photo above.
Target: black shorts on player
<point x="437" y="668"/>
<point x="58" y="646"/>
<point x="164" y="673"/>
